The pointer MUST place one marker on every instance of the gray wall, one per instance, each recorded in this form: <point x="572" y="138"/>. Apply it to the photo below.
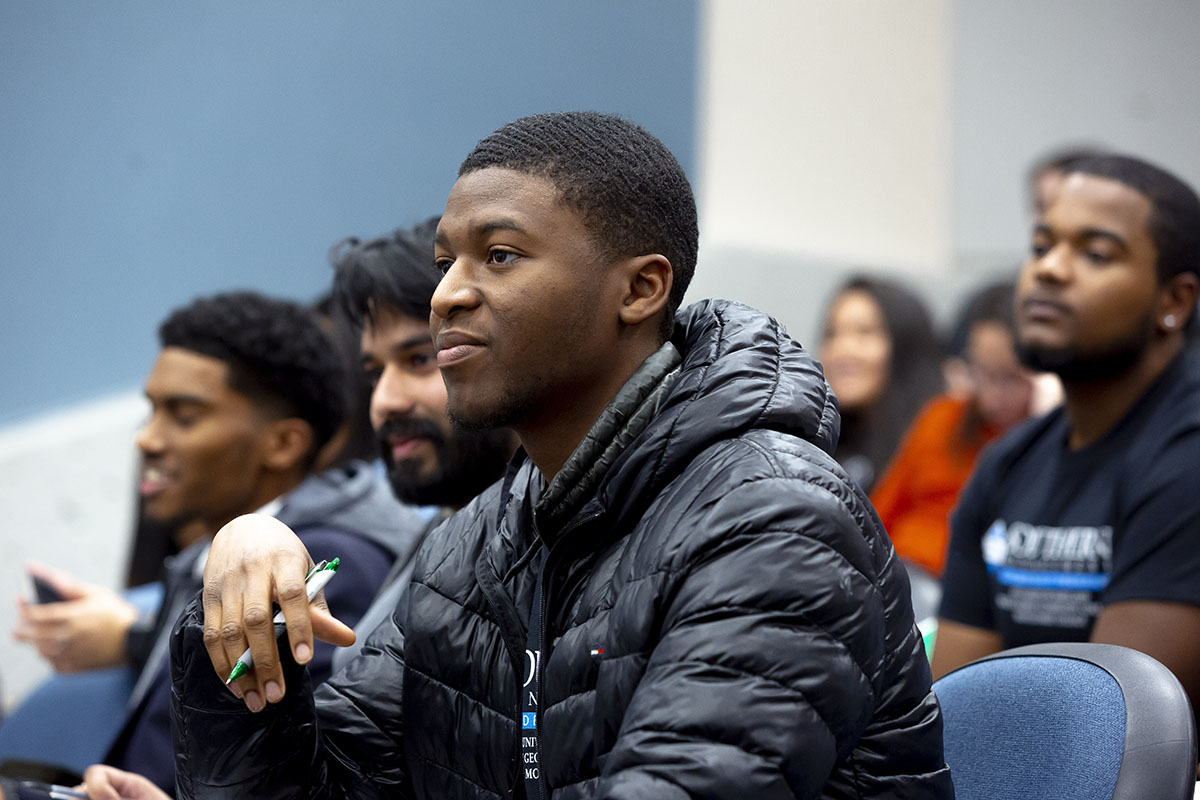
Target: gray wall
<point x="1033" y="75"/>
<point x="833" y="133"/>
<point x="151" y="152"/>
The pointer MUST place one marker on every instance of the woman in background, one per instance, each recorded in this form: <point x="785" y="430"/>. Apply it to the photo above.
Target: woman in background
<point x="883" y="360"/>
<point x="915" y="495"/>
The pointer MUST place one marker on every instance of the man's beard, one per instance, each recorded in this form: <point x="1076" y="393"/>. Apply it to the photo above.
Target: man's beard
<point x="465" y="463"/>
<point x="508" y="411"/>
<point x="1073" y="365"/>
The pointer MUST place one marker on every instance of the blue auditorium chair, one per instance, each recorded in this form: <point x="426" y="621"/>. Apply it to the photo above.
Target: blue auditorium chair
<point x="1069" y="721"/>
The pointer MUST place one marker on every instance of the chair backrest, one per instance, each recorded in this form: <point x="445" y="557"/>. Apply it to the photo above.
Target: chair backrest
<point x="1069" y="721"/>
<point x="68" y="721"/>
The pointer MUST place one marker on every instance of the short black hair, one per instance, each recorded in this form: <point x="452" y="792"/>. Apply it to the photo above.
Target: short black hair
<point x="277" y="354"/>
<point x="630" y="191"/>
<point x="395" y="272"/>
<point x="1174" y="223"/>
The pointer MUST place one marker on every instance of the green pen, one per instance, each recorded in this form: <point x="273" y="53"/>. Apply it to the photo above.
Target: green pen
<point x="314" y="582"/>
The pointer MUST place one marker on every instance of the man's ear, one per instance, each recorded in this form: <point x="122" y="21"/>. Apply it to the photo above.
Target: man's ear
<point x="646" y="287"/>
<point x="1177" y="301"/>
<point x="286" y="443"/>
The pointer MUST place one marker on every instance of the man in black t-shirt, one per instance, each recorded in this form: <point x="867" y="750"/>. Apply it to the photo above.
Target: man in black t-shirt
<point x="1085" y="524"/>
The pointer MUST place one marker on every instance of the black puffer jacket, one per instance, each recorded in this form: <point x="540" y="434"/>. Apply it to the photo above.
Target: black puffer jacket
<point x="756" y="634"/>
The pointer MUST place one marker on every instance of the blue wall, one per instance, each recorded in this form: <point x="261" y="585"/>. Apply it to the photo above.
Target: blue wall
<point x="151" y="152"/>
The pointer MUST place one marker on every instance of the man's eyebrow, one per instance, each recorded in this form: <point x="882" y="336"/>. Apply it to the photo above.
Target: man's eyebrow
<point x="1101" y="233"/>
<point x="502" y="224"/>
<point x="416" y="340"/>
<point x="483" y="228"/>
<point x="178" y="399"/>
<point x="1085" y="233"/>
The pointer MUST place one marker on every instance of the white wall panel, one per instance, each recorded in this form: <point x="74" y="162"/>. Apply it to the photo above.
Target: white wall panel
<point x="825" y="130"/>
<point x="67" y="493"/>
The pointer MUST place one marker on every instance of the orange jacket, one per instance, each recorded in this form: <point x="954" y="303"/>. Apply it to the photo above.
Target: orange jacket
<point x="918" y="489"/>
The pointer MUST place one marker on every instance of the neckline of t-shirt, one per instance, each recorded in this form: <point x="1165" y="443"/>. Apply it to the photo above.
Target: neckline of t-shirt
<point x="1142" y="407"/>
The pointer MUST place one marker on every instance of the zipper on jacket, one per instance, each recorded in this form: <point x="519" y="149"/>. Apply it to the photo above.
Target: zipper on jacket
<point x="561" y="545"/>
<point x="541" y="660"/>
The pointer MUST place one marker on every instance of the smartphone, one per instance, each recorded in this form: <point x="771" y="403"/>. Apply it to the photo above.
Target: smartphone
<point x="43" y="592"/>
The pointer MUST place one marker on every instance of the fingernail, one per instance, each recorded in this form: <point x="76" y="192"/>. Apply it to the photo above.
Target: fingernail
<point x="237" y="690"/>
<point x="274" y="695"/>
<point x="253" y="701"/>
<point x="303" y="653"/>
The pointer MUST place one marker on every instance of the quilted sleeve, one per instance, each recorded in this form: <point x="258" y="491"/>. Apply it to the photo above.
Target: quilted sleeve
<point x="222" y="750"/>
<point x="773" y="660"/>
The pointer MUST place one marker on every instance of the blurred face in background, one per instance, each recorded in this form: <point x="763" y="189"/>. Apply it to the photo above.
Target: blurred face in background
<point x="429" y="461"/>
<point x="1002" y="388"/>
<point x="203" y="446"/>
<point x="856" y="351"/>
<point x="1087" y="297"/>
<point x="408" y="398"/>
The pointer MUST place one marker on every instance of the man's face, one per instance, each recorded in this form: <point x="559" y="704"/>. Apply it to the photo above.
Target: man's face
<point x="1086" y="297"/>
<point x="201" y="448"/>
<point x="429" y="461"/>
<point x="524" y="319"/>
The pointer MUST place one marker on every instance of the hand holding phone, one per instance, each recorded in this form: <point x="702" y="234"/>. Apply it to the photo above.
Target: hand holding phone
<point x="73" y="625"/>
<point x="44" y="592"/>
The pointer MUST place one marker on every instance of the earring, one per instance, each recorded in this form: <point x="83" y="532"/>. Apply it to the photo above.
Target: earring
<point x="1169" y="321"/>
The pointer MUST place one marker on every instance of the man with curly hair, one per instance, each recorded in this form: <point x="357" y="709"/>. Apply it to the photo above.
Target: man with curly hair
<point x="245" y="394"/>
<point x="674" y="592"/>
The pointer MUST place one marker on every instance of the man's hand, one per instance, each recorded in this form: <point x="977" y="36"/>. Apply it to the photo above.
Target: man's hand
<point x="1167" y="632"/>
<point x="108" y="783"/>
<point x="256" y="560"/>
<point x="959" y="644"/>
<point x="86" y="630"/>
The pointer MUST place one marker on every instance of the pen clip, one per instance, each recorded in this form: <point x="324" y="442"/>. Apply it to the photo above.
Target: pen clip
<point x="320" y="565"/>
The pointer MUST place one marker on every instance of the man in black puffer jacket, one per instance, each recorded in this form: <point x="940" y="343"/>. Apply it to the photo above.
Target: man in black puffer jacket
<point x="675" y="591"/>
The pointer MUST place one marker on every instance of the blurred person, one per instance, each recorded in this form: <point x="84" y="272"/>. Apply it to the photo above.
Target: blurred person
<point x="384" y="287"/>
<point x="675" y="590"/>
<point x="1085" y="524"/>
<point x="347" y="455"/>
<point x="917" y="491"/>
<point x="246" y="394"/>
<point x="881" y="357"/>
<point x="94" y="634"/>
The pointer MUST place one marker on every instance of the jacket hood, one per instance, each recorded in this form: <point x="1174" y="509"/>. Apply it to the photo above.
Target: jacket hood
<point x="352" y="497"/>
<point x="740" y="371"/>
